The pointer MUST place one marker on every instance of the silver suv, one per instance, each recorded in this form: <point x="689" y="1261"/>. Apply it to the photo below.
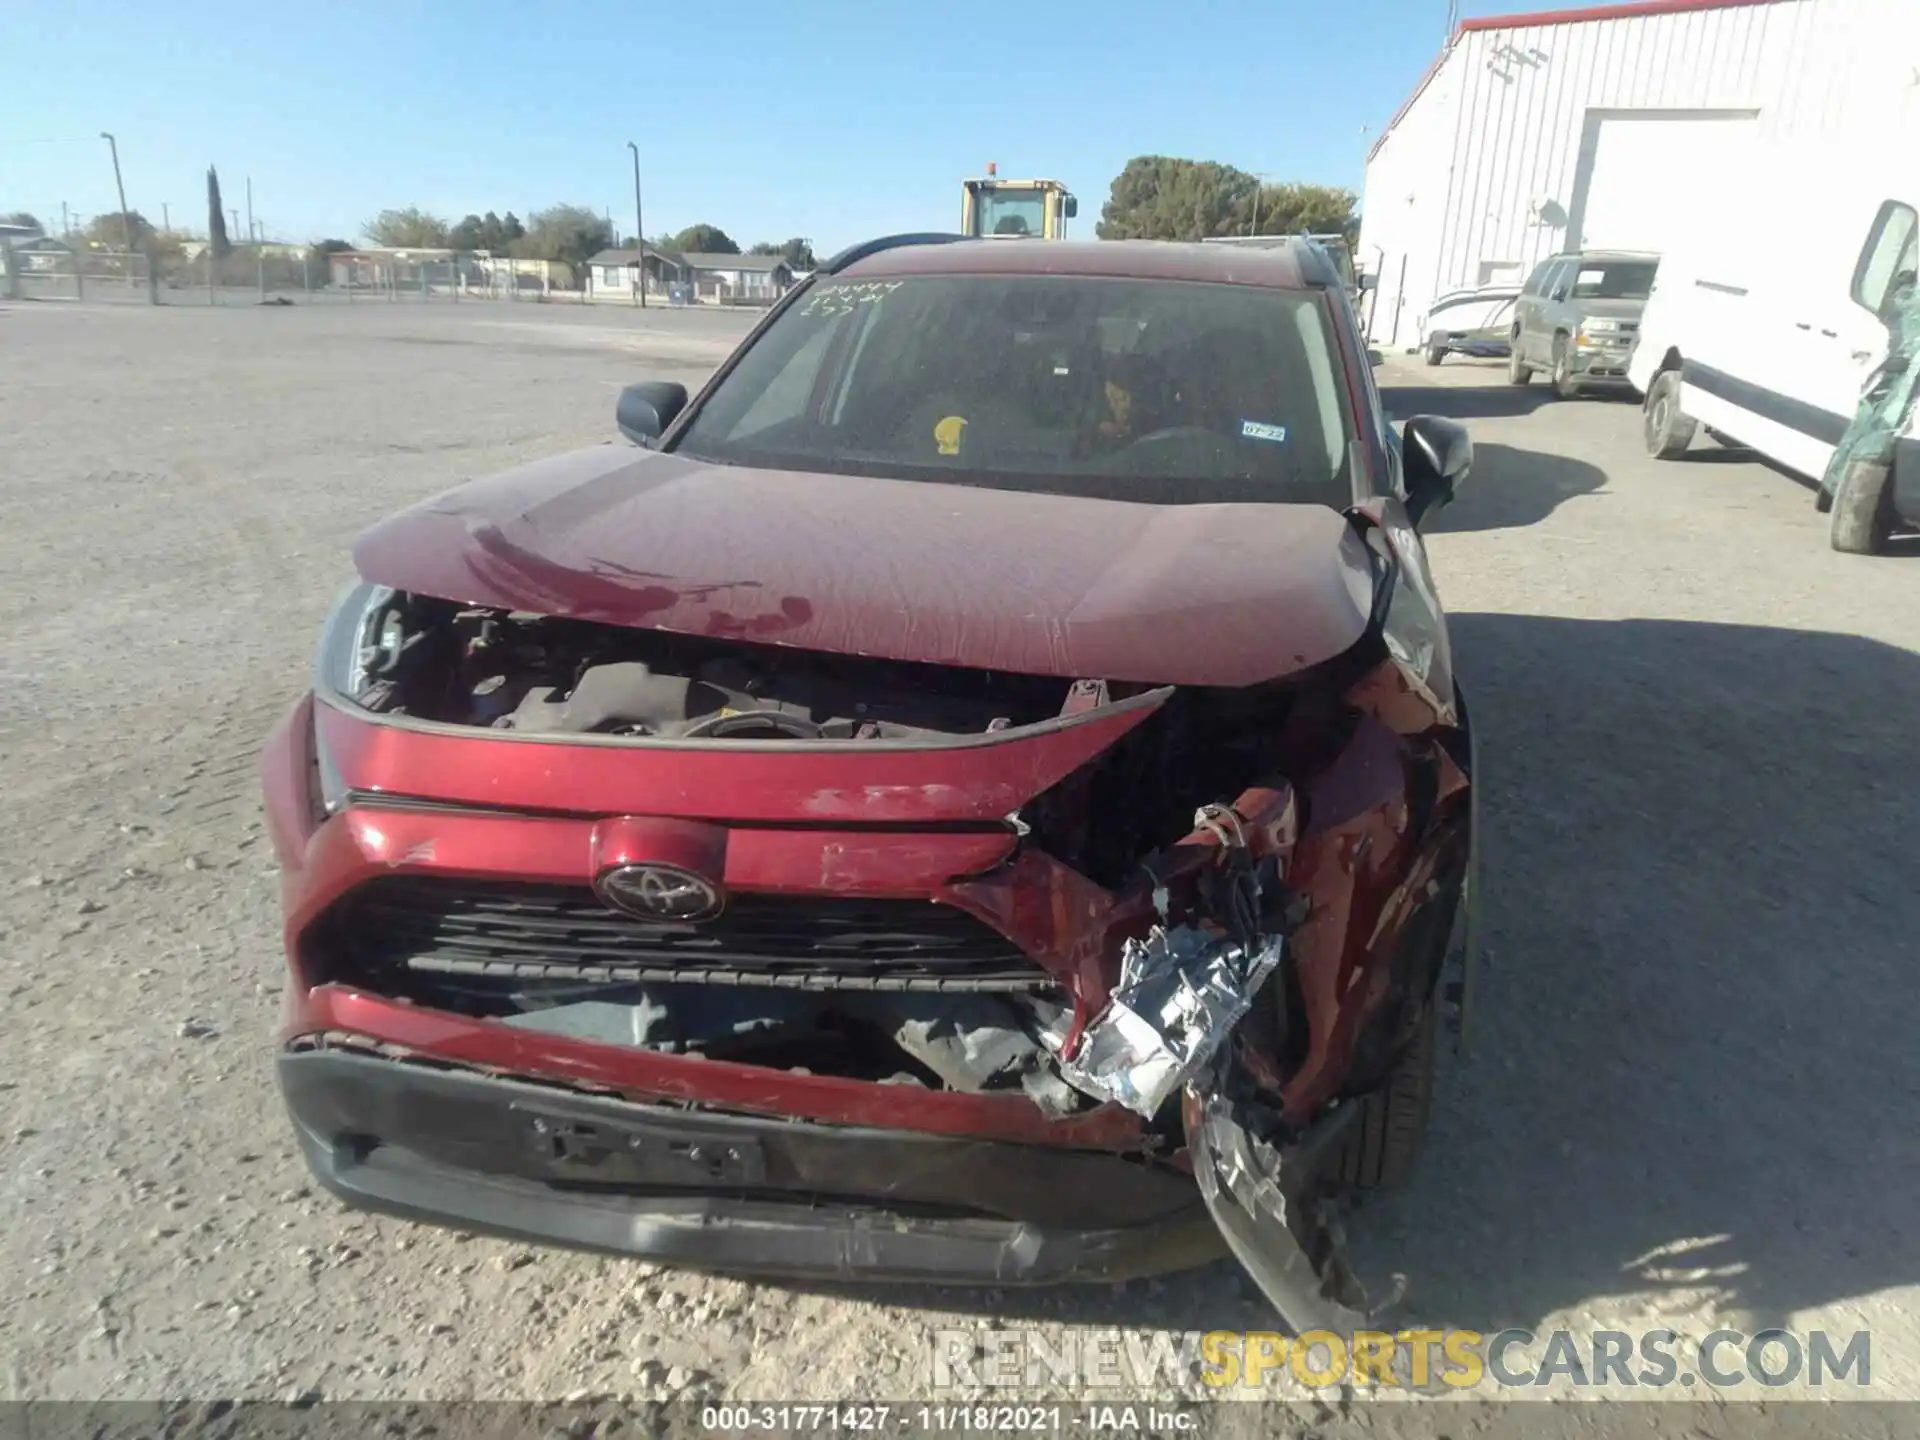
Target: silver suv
<point x="1578" y="317"/>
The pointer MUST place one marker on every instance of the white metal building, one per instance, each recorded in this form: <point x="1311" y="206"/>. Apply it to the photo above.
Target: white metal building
<point x="1533" y="134"/>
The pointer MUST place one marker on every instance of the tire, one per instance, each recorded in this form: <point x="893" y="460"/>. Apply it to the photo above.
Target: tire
<point x="1436" y="352"/>
<point x="1518" y="371"/>
<point x="1862" y="509"/>
<point x="1565" y="384"/>
<point x="1667" y="428"/>
<point x="1386" y="1140"/>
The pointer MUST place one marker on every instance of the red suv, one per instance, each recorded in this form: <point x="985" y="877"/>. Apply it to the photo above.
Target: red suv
<point x="979" y="793"/>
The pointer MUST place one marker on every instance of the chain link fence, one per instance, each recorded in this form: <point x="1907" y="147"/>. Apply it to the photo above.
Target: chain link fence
<point x="246" y="274"/>
<point x="285" y="274"/>
<point x="262" y="274"/>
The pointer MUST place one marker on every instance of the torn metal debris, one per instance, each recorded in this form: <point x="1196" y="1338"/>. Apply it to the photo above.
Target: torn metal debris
<point x="1181" y="992"/>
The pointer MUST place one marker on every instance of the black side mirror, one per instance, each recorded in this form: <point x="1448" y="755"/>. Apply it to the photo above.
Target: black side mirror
<point x="644" y="411"/>
<point x="1559" y="294"/>
<point x="1072" y="207"/>
<point x="1435" y="456"/>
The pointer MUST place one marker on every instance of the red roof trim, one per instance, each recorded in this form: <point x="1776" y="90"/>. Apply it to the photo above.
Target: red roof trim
<point x="1625" y="10"/>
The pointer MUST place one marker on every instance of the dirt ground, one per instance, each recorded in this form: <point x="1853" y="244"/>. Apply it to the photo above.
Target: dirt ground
<point x="1690" y="1093"/>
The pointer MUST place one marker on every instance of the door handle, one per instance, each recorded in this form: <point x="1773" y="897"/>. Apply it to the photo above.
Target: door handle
<point x="1831" y="334"/>
<point x="1862" y="356"/>
<point x="1801" y="325"/>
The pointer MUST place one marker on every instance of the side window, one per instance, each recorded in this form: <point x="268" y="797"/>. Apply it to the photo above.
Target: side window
<point x="788" y="391"/>
<point x="1887" y="262"/>
<point x="1537" y="281"/>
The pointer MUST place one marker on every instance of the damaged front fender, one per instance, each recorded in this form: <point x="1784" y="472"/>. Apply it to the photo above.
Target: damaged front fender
<point x="1263" y="1197"/>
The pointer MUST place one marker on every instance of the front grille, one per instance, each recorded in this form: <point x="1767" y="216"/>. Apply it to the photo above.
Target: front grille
<point x="389" y="927"/>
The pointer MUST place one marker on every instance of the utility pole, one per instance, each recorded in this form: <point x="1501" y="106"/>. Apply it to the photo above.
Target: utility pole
<point x="166" y="217"/>
<point x="235" y="213"/>
<point x="126" y="220"/>
<point x="249" y="207"/>
<point x="66" y="225"/>
<point x="639" y="226"/>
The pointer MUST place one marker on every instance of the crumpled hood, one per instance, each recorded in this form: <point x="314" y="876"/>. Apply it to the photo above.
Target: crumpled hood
<point x="904" y="570"/>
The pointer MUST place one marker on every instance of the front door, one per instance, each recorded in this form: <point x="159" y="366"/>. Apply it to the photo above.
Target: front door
<point x="1526" y="310"/>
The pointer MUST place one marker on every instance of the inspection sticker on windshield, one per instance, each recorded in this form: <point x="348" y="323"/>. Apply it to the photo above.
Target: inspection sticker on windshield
<point x="1256" y="430"/>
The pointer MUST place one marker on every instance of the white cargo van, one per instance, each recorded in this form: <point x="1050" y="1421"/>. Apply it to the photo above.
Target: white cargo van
<point x="1773" y="316"/>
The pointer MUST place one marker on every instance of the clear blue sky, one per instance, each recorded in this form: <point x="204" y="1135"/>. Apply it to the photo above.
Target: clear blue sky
<point x="832" y="119"/>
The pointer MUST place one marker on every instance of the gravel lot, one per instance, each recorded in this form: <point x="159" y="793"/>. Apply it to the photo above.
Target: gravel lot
<point x="1689" y="1100"/>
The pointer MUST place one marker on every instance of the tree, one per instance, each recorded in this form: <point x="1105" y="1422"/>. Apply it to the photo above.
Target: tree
<point x="1157" y="197"/>
<point x="469" y="234"/>
<point x="408" y="229"/>
<point x="703" y="240"/>
<point x="24" y="220"/>
<point x="568" y="233"/>
<point x="110" y="231"/>
<point x="796" y="252"/>
<point x="216" y="219"/>
<point x="1304" y="210"/>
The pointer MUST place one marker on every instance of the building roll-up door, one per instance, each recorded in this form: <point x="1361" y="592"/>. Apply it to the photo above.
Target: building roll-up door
<point x="1643" y="172"/>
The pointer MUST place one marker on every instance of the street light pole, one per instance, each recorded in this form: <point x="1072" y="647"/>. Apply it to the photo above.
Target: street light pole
<point x="126" y="220"/>
<point x="1258" y="181"/>
<point x="639" y="226"/>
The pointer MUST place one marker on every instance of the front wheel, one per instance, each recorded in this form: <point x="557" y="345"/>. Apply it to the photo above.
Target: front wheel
<point x="1668" y="429"/>
<point x="1862" y="508"/>
<point x="1382" y="1146"/>
<point x="1436" y="352"/>
<point x="1565" y="383"/>
<point x="1518" y="371"/>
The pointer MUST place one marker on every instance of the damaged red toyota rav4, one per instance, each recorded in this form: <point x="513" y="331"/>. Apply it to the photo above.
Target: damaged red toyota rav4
<point x="978" y="794"/>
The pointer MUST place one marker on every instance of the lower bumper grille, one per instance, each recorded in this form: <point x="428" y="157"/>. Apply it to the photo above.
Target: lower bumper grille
<point x="506" y="932"/>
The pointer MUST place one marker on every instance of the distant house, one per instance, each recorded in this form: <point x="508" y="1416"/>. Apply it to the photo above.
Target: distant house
<point x="739" y="279"/>
<point x="617" y="271"/>
<point x="382" y="266"/>
<point x="43" y="254"/>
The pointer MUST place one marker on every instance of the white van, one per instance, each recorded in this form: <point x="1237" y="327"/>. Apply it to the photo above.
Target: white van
<point x="1770" y="319"/>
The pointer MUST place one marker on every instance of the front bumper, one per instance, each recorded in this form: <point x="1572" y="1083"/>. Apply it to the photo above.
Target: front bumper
<point x="732" y="1193"/>
<point x="1602" y="359"/>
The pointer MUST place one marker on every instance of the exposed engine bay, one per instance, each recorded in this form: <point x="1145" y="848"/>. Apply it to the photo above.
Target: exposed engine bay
<point x="537" y="674"/>
<point x="1182" y="987"/>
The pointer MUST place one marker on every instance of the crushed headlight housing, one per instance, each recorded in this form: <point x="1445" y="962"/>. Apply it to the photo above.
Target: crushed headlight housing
<point x="1181" y="992"/>
<point x="348" y="646"/>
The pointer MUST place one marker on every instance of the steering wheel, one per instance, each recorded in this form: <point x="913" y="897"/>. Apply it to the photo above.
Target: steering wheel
<point x="1179" y="441"/>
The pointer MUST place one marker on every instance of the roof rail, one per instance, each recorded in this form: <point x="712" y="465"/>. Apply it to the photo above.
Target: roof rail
<point x="865" y="248"/>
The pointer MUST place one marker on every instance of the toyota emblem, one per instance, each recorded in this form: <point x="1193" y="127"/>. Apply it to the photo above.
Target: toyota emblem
<point x="660" y="892"/>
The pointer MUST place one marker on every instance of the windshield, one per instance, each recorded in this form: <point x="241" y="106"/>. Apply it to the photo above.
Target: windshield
<point x="1165" y="392"/>
<point x="1614" y="280"/>
<point x="1010" y="212"/>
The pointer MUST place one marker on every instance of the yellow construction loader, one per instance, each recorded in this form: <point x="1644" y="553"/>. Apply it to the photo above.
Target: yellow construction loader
<point x="995" y="209"/>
